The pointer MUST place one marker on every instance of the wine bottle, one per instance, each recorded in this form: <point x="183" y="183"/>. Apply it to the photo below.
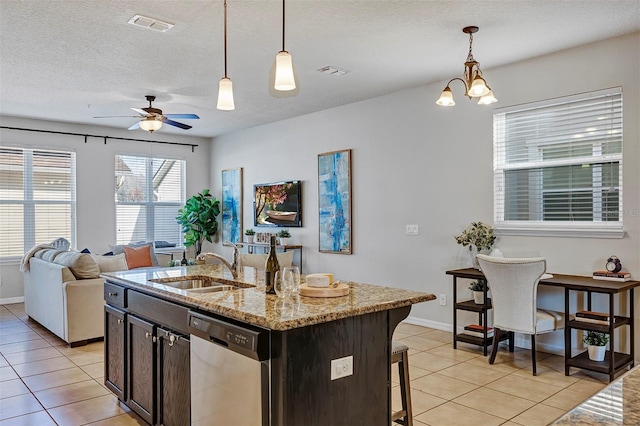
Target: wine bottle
<point x="183" y="262"/>
<point x="271" y="267"/>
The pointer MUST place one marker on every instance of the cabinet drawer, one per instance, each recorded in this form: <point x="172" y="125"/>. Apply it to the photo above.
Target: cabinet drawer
<point x="169" y="314"/>
<point x="114" y="295"/>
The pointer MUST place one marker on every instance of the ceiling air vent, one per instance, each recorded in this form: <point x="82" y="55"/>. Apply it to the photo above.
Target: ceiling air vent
<point x="331" y="70"/>
<point x="150" y="23"/>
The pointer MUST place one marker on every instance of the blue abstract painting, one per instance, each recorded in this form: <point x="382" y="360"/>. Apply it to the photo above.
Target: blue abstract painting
<point x="334" y="201"/>
<point x="232" y="205"/>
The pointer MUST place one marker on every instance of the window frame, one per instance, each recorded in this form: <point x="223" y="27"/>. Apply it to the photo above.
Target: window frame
<point x="149" y="204"/>
<point x="596" y="227"/>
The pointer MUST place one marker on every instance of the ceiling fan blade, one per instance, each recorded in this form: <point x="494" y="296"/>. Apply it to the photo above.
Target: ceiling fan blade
<point x="135" y="126"/>
<point x="141" y="111"/>
<point x="184" y="116"/>
<point x="176" y="124"/>
<point x="117" y="116"/>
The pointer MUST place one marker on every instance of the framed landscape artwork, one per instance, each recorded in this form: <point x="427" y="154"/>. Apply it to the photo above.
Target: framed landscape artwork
<point x="232" y="205"/>
<point x="334" y="201"/>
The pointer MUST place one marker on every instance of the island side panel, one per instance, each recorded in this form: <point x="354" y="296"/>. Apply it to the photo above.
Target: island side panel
<point x="302" y="390"/>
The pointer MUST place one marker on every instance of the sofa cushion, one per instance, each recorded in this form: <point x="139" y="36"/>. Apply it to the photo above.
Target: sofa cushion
<point x="82" y="265"/>
<point x="111" y="263"/>
<point x="120" y="249"/>
<point x="138" y="257"/>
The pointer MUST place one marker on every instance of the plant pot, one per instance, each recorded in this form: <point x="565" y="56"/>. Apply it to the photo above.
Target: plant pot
<point x="478" y="297"/>
<point x="284" y="241"/>
<point x="596" y="353"/>
<point x="249" y="238"/>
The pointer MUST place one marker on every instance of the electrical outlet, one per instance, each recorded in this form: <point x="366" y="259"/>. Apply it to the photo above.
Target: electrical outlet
<point x="443" y="300"/>
<point x="341" y="367"/>
<point x="412" y="230"/>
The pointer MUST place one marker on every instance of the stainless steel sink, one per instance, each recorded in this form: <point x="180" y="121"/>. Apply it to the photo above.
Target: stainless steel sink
<point x="196" y="284"/>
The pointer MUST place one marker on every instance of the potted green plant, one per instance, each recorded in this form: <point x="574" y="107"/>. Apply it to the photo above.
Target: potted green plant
<point x="477" y="287"/>
<point x="596" y="344"/>
<point x="250" y="234"/>
<point x="284" y="236"/>
<point x="198" y="219"/>
<point x="479" y="237"/>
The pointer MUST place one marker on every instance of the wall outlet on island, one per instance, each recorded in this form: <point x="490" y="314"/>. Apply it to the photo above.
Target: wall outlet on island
<point x="341" y="367"/>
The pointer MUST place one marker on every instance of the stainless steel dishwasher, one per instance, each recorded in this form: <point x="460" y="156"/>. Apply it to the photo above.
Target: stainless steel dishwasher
<point x="229" y="373"/>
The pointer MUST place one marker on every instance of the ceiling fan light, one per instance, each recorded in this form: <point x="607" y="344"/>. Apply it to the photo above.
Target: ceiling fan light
<point x="225" y="95"/>
<point x="478" y="87"/>
<point x="150" y="124"/>
<point x="487" y="99"/>
<point x="284" y="72"/>
<point x="446" y="98"/>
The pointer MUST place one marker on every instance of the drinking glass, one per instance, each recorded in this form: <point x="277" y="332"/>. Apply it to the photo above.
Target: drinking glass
<point x="292" y="275"/>
<point x="281" y="285"/>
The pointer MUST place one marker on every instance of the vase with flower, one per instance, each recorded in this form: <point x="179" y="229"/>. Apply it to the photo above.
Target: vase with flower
<point x="479" y="237"/>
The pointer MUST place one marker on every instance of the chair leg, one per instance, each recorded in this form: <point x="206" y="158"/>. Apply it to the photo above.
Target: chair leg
<point x="496" y="341"/>
<point x="512" y="341"/>
<point x="533" y="353"/>
<point x="405" y="389"/>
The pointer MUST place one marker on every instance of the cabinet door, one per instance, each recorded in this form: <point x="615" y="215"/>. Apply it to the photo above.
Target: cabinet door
<point x="115" y="343"/>
<point x="174" y="381"/>
<point x="141" y="366"/>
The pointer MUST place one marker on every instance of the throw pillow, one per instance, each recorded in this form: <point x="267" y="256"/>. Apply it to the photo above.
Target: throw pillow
<point x="120" y="249"/>
<point x="138" y="257"/>
<point x="111" y="263"/>
<point x="82" y="265"/>
<point x="85" y="250"/>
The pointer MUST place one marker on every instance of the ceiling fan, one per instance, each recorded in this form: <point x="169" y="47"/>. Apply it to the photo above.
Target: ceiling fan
<point x="151" y="119"/>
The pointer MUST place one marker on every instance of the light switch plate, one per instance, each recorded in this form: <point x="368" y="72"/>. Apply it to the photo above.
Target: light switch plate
<point x="412" y="230"/>
<point x="341" y="367"/>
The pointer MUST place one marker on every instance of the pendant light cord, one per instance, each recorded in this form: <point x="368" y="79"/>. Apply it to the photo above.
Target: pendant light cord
<point x="282" y="26"/>
<point x="225" y="39"/>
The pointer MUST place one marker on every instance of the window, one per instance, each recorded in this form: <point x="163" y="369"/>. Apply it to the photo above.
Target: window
<point x="149" y="193"/>
<point x="558" y="166"/>
<point x="37" y="198"/>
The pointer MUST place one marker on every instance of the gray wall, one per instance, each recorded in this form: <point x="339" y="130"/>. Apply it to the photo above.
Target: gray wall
<point x="417" y="163"/>
<point x="95" y="216"/>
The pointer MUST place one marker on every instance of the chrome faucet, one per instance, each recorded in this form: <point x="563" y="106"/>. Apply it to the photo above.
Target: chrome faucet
<point x="233" y="266"/>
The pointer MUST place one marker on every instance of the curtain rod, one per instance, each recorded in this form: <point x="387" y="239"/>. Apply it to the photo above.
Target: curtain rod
<point x="86" y="135"/>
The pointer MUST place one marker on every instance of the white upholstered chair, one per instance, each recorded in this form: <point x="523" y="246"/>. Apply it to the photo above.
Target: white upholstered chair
<point x="514" y="285"/>
<point x="258" y="260"/>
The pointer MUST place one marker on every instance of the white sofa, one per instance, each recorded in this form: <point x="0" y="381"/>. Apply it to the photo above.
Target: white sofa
<point x="63" y="292"/>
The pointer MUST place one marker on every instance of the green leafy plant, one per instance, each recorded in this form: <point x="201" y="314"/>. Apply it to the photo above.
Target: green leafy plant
<point x="477" y="285"/>
<point x="477" y="234"/>
<point x="198" y="219"/>
<point x="284" y="233"/>
<point x="249" y="232"/>
<point x="596" y="338"/>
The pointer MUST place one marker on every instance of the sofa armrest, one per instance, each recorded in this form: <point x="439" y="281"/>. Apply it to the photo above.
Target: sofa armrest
<point x="84" y="314"/>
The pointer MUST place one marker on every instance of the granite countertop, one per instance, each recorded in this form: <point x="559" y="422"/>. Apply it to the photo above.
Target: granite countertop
<point x="253" y="306"/>
<point x="617" y="404"/>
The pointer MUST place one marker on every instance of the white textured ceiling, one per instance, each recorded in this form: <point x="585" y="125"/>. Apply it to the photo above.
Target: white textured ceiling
<point x="71" y="60"/>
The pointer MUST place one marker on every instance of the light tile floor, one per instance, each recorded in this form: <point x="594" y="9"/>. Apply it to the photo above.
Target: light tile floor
<point x="44" y="382"/>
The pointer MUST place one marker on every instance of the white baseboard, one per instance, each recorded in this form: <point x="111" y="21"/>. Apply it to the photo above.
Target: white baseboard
<point x="11" y="300"/>
<point x="521" y="341"/>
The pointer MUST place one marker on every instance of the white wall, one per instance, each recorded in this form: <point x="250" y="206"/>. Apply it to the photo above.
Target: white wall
<point x="95" y="216"/>
<point x="417" y="163"/>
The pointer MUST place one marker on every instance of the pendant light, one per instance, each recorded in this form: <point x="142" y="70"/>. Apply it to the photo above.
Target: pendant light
<point x="474" y="84"/>
<point x="225" y="86"/>
<point x="150" y="124"/>
<point x="284" y="65"/>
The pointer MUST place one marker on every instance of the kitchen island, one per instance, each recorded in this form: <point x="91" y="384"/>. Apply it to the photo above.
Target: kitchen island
<point x="147" y="319"/>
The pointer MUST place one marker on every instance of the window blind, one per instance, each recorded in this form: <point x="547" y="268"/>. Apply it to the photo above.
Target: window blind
<point x="558" y="165"/>
<point x="149" y="193"/>
<point x="37" y="198"/>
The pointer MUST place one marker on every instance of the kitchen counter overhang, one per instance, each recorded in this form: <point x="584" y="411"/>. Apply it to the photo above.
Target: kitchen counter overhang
<point x="253" y="306"/>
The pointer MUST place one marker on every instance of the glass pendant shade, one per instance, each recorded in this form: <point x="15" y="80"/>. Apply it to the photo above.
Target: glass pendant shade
<point x="446" y="98"/>
<point x="487" y="99"/>
<point x="225" y="95"/>
<point x="478" y="87"/>
<point x="150" y="124"/>
<point x="284" y="72"/>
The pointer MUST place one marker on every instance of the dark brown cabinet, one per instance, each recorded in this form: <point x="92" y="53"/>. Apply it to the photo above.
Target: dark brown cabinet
<point x="146" y="362"/>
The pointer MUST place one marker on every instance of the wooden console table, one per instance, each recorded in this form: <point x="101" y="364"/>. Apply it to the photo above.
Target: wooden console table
<point x="614" y="361"/>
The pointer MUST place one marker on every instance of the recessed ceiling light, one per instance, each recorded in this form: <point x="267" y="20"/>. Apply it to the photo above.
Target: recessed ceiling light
<point x="331" y="70"/>
<point x="150" y="23"/>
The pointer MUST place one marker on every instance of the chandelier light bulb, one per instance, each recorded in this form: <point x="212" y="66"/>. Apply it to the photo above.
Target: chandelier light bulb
<point x="150" y="124"/>
<point x="225" y="95"/>
<point x="478" y="87"/>
<point x="487" y="99"/>
<point x="446" y="98"/>
<point x="284" y="72"/>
